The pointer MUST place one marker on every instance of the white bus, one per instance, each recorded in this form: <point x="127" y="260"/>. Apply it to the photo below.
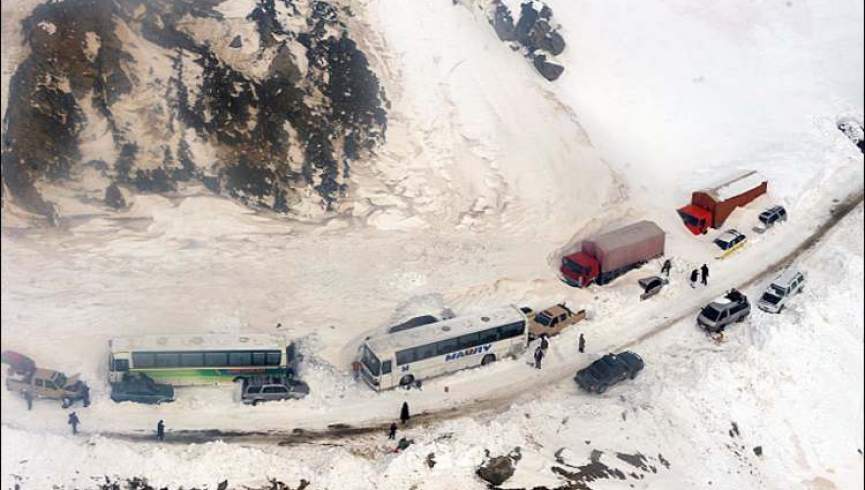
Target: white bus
<point x="401" y="358"/>
<point x="184" y="360"/>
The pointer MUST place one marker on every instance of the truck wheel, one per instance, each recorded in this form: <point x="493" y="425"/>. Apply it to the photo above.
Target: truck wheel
<point x="602" y="389"/>
<point x="254" y="403"/>
<point x="65" y="402"/>
<point x="489" y="358"/>
<point x="781" y="308"/>
<point x="632" y="375"/>
<point x="406" y="381"/>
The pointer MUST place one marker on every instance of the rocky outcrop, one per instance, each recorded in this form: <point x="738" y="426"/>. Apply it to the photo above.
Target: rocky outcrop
<point x="535" y="34"/>
<point x="271" y="109"/>
<point x="854" y="130"/>
<point x="497" y="470"/>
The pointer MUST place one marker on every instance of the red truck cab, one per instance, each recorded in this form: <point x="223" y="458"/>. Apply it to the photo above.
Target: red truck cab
<point x="696" y="219"/>
<point x="579" y="269"/>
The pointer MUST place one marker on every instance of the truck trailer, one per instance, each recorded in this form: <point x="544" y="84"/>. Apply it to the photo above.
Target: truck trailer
<point x="712" y="206"/>
<point x="607" y="256"/>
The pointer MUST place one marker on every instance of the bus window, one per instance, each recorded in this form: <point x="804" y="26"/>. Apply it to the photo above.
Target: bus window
<point x="470" y="340"/>
<point x="121" y="365"/>
<point x="512" y="330"/>
<point x="143" y="360"/>
<point x="273" y="358"/>
<point x="489" y="335"/>
<point x="259" y="358"/>
<point x="447" y="346"/>
<point x="215" y="359"/>
<point x="405" y="356"/>
<point x="239" y="359"/>
<point x="192" y="359"/>
<point x="385" y="367"/>
<point x="167" y="360"/>
<point x="425" y="352"/>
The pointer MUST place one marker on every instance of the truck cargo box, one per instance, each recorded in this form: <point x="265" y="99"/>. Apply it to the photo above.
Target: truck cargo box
<point x="628" y="245"/>
<point x="723" y="198"/>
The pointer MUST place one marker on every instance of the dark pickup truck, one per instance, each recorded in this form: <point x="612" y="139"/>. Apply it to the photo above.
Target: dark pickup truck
<point x="609" y="370"/>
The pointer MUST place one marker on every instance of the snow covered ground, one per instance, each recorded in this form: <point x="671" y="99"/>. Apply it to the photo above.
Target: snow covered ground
<point x="489" y="174"/>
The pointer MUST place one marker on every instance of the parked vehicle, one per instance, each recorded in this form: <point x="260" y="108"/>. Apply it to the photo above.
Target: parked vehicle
<point x="49" y="384"/>
<point x="412" y="323"/>
<point x="773" y="215"/>
<point x="553" y="320"/>
<point x="781" y="289"/>
<point x="711" y="207"/>
<point x="268" y="388"/>
<point x="651" y="285"/>
<point x="19" y="364"/>
<point x="607" y="256"/>
<point x="141" y="388"/>
<point x="729" y="242"/>
<point x="609" y="370"/>
<point x="732" y="307"/>
<point x="402" y="358"/>
<point x="183" y="360"/>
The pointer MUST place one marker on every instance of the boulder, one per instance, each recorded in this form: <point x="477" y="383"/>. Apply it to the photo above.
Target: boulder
<point x="499" y="469"/>
<point x="550" y="71"/>
<point x="115" y="197"/>
<point x="503" y="23"/>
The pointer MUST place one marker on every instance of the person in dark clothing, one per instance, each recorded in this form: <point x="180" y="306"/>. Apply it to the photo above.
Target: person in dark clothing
<point x="160" y="431"/>
<point x="29" y="397"/>
<point x="403" y="414"/>
<point x="704" y="274"/>
<point x="694" y="277"/>
<point x="73" y="421"/>
<point x="544" y="342"/>
<point x="355" y="369"/>
<point x="539" y="356"/>
<point x="665" y="269"/>
<point x="391" y="434"/>
<point x="85" y="395"/>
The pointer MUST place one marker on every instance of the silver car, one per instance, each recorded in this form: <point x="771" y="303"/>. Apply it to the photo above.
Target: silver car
<point x="732" y="307"/>
<point x="781" y="289"/>
<point x="257" y="390"/>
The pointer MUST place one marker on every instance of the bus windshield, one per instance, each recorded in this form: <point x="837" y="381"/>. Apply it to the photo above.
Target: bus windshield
<point x="574" y="267"/>
<point x="370" y="361"/>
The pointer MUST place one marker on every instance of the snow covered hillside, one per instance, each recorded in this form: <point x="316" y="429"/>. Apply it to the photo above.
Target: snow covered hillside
<point x="486" y="175"/>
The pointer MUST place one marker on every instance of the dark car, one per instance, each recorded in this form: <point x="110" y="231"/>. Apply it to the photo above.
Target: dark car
<point x="266" y="388"/>
<point x="773" y="215"/>
<point x="609" y="370"/>
<point x="141" y="388"/>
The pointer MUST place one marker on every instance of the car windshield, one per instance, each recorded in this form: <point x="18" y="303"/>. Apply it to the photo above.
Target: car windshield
<point x="777" y="290"/>
<point x="771" y="298"/>
<point x="711" y="313"/>
<point x="573" y="266"/>
<point x="370" y="361"/>
<point x="723" y="242"/>
<point x="543" y="318"/>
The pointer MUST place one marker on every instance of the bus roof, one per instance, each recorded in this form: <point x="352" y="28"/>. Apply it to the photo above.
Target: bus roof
<point x="197" y="342"/>
<point x="454" y="327"/>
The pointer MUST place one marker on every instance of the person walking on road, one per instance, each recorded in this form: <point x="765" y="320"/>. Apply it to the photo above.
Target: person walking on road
<point x="391" y="434"/>
<point x="85" y="395"/>
<point x="665" y="269"/>
<point x="694" y="277"/>
<point x="539" y="356"/>
<point x="160" y="431"/>
<point x="704" y="274"/>
<point x="582" y="344"/>
<point x="403" y="414"/>
<point x="28" y="395"/>
<point x="544" y="342"/>
<point x="73" y="421"/>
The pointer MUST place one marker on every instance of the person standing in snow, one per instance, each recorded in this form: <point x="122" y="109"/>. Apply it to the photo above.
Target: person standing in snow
<point x="160" y="431"/>
<point x="73" y="421"/>
<point x="85" y="395"/>
<point x="403" y="414"/>
<point x="539" y="356"/>
<point x="355" y="369"/>
<point x="704" y="274"/>
<point x="544" y="342"/>
<point x="665" y="269"/>
<point x="28" y="395"/>
<point x="391" y="434"/>
<point x="582" y="344"/>
<point x="694" y="277"/>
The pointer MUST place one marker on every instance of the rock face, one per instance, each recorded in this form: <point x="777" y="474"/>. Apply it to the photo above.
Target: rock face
<point x="854" y="130"/>
<point x="534" y="33"/>
<point x="270" y="109"/>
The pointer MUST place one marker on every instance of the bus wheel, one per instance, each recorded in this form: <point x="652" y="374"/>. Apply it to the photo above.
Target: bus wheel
<point x="406" y="381"/>
<point x="488" y="359"/>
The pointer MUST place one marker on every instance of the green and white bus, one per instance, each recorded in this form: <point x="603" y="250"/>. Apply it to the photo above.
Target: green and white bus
<point x="426" y="351"/>
<point x="184" y="360"/>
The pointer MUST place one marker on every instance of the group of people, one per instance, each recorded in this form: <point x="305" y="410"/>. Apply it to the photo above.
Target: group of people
<point x="541" y="349"/>
<point x="404" y="417"/>
<point x="701" y="274"/>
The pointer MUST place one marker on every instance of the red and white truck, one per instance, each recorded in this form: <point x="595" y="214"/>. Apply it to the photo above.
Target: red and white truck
<point x="710" y="207"/>
<point x="607" y="256"/>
